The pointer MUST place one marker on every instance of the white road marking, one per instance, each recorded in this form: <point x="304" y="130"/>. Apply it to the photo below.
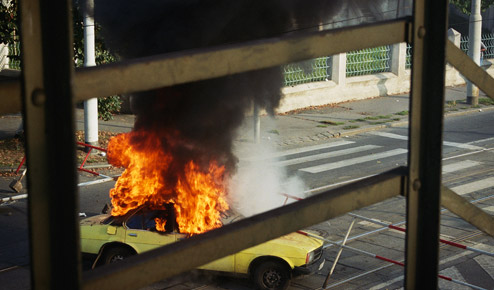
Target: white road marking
<point x="451" y="272"/>
<point x="489" y="208"/>
<point x="480" y="246"/>
<point x="389" y="135"/>
<point x="326" y="155"/>
<point x="487" y="263"/>
<point x="474" y="186"/>
<point x="353" y="161"/>
<point x="447" y="143"/>
<point x="482" y="140"/>
<point x="384" y="285"/>
<point x="459" y="166"/>
<point x="301" y="150"/>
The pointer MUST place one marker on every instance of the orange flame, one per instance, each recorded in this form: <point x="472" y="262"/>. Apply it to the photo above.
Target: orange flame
<point x="198" y="195"/>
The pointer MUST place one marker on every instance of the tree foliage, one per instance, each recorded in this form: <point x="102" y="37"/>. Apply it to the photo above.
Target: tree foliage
<point x="465" y="6"/>
<point x="9" y="22"/>
<point x="9" y="34"/>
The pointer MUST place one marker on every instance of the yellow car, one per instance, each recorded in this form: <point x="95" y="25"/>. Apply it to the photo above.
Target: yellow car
<point x="271" y="265"/>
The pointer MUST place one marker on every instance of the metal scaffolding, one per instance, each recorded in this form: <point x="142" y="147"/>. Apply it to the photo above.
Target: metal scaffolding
<point x="49" y="87"/>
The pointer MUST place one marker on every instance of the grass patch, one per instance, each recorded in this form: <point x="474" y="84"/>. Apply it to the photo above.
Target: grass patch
<point x="486" y="101"/>
<point x="402" y="113"/>
<point x="396" y="119"/>
<point x="332" y="123"/>
<point x="450" y="104"/>
<point x="322" y="126"/>
<point x="276" y="132"/>
<point x="371" y="118"/>
<point x="378" y="122"/>
<point x="380" y="117"/>
<point x="351" y="127"/>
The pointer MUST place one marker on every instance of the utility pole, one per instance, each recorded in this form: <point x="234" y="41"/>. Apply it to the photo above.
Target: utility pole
<point x="474" y="35"/>
<point x="91" y="105"/>
<point x="257" y="124"/>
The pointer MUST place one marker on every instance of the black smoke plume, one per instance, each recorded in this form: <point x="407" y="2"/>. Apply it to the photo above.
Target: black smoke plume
<point x="197" y="121"/>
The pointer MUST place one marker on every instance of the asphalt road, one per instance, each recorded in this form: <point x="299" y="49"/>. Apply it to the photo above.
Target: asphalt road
<point x="467" y="169"/>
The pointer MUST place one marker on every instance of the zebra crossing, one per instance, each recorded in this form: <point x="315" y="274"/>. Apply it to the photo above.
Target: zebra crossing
<point x="459" y="173"/>
<point x="345" y="153"/>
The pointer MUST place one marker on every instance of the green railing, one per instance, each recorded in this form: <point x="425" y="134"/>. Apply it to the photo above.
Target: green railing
<point x="368" y="61"/>
<point x="487" y="40"/>
<point x="408" y="58"/>
<point x="315" y="70"/>
<point x="14" y="56"/>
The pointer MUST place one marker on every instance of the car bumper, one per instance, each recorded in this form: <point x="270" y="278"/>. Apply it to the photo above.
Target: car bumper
<point x="307" y="269"/>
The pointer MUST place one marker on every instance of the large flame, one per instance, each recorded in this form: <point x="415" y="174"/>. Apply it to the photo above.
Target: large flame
<point x="198" y="195"/>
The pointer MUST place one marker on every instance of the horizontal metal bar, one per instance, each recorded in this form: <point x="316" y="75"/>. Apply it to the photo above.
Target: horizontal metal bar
<point x="10" y="97"/>
<point x="168" y="261"/>
<point x="467" y="211"/>
<point x="182" y="67"/>
<point x="177" y="68"/>
<point x="467" y="67"/>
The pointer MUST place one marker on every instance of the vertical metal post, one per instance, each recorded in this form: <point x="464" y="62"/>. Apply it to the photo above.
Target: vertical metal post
<point x="474" y="39"/>
<point x="257" y="124"/>
<point x="91" y="105"/>
<point x="48" y="114"/>
<point x="425" y="145"/>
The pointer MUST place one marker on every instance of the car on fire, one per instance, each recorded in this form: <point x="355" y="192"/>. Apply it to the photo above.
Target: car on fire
<point x="271" y="265"/>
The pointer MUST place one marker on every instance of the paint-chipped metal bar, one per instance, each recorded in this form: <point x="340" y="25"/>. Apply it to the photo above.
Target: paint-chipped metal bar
<point x="188" y="254"/>
<point x="50" y="145"/>
<point x="178" y="68"/>
<point x="425" y="143"/>
<point x="10" y="97"/>
<point x="467" y="211"/>
<point x="182" y="67"/>
<point x="468" y="68"/>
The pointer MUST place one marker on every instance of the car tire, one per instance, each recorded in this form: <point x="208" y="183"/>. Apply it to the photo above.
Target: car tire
<point x="272" y="275"/>
<point x="115" y="254"/>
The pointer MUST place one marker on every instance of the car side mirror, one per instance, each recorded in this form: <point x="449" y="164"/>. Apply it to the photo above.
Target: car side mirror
<point x="106" y="208"/>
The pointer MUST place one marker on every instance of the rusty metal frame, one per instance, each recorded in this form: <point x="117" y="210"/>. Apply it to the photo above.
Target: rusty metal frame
<point x="46" y="34"/>
<point x="49" y="91"/>
<point x="425" y="143"/>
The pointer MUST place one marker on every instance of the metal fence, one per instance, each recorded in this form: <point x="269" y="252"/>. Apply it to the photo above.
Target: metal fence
<point x="359" y="62"/>
<point x="315" y="70"/>
<point x="408" y="59"/>
<point x="487" y="39"/>
<point x="15" y="50"/>
<point x="368" y="61"/>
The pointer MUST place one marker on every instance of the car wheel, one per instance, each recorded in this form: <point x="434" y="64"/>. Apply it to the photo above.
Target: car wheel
<point x="272" y="275"/>
<point x="115" y="254"/>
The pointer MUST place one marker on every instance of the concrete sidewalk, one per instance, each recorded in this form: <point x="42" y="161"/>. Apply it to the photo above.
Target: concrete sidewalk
<point x="349" y="118"/>
<point x="305" y="125"/>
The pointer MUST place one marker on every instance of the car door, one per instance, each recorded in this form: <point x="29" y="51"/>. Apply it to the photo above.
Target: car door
<point x="141" y="233"/>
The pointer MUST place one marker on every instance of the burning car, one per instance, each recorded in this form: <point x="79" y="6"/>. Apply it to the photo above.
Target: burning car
<point x="270" y="265"/>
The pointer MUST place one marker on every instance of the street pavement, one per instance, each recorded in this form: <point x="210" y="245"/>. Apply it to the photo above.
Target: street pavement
<point x="297" y="129"/>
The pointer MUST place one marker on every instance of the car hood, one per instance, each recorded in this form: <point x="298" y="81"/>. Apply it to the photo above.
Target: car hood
<point x="94" y="220"/>
<point x="299" y="240"/>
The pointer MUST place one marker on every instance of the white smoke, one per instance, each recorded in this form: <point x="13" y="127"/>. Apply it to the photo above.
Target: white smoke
<point x="259" y="181"/>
